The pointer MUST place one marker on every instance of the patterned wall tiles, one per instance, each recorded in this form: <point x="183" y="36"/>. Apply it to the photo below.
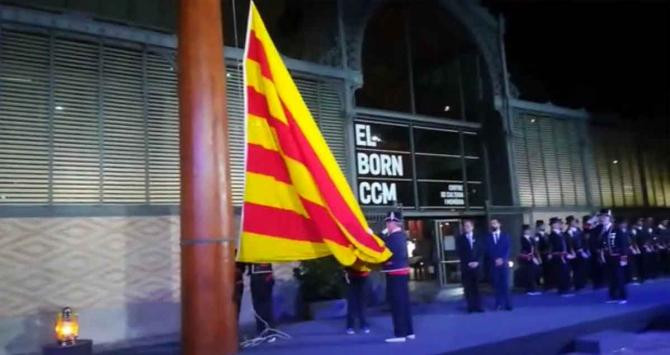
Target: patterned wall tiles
<point x="87" y="262"/>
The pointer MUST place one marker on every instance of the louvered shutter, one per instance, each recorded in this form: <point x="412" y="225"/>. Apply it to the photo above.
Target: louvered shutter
<point x="24" y="117"/>
<point x="550" y="161"/>
<point x="235" y="93"/>
<point x="124" y="126"/>
<point x="331" y="120"/>
<point x="77" y="120"/>
<point x="562" y="129"/>
<point x="576" y="130"/>
<point x="162" y="127"/>
<point x="523" y="174"/>
<point x="536" y="161"/>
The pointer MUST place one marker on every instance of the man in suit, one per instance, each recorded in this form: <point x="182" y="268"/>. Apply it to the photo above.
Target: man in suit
<point x="560" y="251"/>
<point x="616" y="246"/>
<point x="470" y="255"/>
<point x="397" y="279"/>
<point x="498" y="252"/>
<point x="529" y="261"/>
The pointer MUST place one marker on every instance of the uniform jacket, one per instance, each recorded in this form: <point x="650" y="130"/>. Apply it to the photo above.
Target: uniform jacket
<point x="617" y="243"/>
<point x="558" y="242"/>
<point x="397" y="244"/>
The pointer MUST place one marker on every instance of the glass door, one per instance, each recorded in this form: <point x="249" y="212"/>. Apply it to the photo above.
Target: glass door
<point x="446" y="231"/>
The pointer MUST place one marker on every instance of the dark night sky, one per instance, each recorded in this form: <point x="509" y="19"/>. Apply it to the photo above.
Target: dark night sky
<point x="606" y="56"/>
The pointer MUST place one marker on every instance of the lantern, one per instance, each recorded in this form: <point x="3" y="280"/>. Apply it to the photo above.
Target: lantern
<point x="67" y="327"/>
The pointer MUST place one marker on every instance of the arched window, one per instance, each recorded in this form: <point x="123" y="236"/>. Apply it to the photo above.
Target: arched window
<point x="419" y="59"/>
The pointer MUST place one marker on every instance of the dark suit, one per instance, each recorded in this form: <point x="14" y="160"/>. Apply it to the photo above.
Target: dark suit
<point x="548" y="281"/>
<point x="500" y="274"/>
<point x="559" y="248"/>
<point x="616" y="246"/>
<point x="529" y="270"/>
<point x="262" y="282"/>
<point x="470" y="276"/>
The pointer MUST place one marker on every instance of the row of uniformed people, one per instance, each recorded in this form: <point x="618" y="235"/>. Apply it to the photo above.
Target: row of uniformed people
<point x="566" y="256"/>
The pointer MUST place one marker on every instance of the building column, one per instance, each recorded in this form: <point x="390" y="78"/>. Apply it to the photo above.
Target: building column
<point x="209" y="316"/>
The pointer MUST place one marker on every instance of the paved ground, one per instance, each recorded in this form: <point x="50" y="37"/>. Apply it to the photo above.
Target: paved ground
<point x="443" y="326"/>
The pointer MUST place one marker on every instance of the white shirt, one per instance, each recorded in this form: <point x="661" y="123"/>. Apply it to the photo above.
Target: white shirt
<point x="470" y="239"/>
<point x="496" y="236"/>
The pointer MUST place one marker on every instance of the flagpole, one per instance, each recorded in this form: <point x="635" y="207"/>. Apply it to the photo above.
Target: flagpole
<point x="209" y="316"/>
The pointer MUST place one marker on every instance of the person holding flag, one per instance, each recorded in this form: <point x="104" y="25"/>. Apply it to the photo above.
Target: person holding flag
<point x="397" y="279"/>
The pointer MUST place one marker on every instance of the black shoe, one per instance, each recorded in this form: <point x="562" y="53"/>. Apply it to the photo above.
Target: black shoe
<point x="479" y="310"/>
<point x="508" y="308"/>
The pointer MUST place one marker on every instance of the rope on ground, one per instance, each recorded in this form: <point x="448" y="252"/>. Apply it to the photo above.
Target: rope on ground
<point x="268" y="335"/>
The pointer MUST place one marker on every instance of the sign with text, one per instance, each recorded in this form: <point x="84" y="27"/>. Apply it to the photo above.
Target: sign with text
<point x="383" y="164"/>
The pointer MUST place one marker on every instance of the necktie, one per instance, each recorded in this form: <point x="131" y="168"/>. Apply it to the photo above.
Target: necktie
<point x="495" y="238"/>
<point x="470" y="240"/>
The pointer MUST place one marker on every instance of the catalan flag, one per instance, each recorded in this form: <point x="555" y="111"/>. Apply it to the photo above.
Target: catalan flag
<point x="297" y="203"/>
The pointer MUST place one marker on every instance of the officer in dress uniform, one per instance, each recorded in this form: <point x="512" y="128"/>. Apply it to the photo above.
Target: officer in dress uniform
<point x="641" y="238"/>
<point x="262" y="282"/>
<point x="663" y="232"/>
<point x="239" y="285"/>
<point x="470" y="257"/>
<point x="559" y="256"/>
<point x="542" y="242"/>
<point x="596" y="242"/>
<point x="529" y="261"/>
<point x="357" y="299"/>
<point x="397" y="279"/>
<point x="498" y="253"/>
<point x="616" y="247"/>
<point x="650" y="249"/>
<point x="579" y="251"/>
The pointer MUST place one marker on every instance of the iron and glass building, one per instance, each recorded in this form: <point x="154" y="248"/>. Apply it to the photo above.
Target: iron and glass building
<point x="412" y="97"/>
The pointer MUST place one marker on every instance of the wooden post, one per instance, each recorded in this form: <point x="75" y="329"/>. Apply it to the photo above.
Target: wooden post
<point x="209" y="316"/>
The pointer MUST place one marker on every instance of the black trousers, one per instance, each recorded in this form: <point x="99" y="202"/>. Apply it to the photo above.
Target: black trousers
<point x="500" y="281"/>
<point x="547" y="273"/>
<point x="617" y="279"/>
<point x="641" y="267"/>
<point x="470" y="280"/>
<point x="529" y="272"/>
<point x="357" y="301"/>
<point x="650" y="266"/>
<point x="579" y="266"/>
<point x="261" y="297"/>
<point x="562" y="272"/>
<point x="597" y="271"/>
<point x="397" y="287"/>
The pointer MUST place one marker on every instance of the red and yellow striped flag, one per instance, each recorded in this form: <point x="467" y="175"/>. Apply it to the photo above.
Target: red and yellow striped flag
<point x="297" y="203"/>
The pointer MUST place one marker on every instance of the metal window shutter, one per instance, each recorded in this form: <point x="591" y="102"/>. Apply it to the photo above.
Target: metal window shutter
<point x="603" y="167"/>
<point x="162" y="128"/>
<point x="123" y="126"/>
<point x="627" y="181"/>
<point x="659" y="171"/>
<point x="576" y="147"/>
<point x="664" y="163"/>
<point x="331" y="120"/>
<point x="536" y="162"/>
<point x="562" y="130"/>
<point x="551" y="161"/>
<point x="77" y="137"/>
<point x="235" y="94"/>
<point x="24" y="117"/>
<point x="591" y="165"/>
<point x="523" y="173"/>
